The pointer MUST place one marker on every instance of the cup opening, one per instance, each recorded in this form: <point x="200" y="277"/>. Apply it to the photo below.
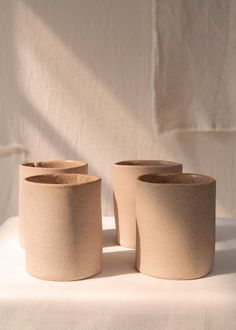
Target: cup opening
<point x="160" y="163"/>
<point x="183" y="178"/>
<point x="62" y="179"/>
<point x="55" y="164"/>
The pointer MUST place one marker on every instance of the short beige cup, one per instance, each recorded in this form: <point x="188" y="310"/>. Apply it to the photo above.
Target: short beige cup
<point x="44" y="167"/>
<point x="63" y="228"/>
<point x="124" y="175"/>
<point x="175" y="225"/>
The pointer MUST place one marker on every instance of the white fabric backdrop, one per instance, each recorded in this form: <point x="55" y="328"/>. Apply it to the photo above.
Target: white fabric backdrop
<point x="194" y="65"/>
<point x="75" y="82"/>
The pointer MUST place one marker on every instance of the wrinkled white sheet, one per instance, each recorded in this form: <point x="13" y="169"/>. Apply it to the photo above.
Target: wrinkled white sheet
<point x="10" y="156"/>
<point x="119" y="297"/>
<point x="194" y="65"/>
<point x="75" y="84"/>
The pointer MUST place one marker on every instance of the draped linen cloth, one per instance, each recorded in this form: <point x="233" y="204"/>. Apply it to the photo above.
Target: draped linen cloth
<point x="194" y="65"/>
<point x="119" y="298"/>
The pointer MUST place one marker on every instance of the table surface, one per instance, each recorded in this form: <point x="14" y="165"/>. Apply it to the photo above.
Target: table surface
<point x="118" y="297"/>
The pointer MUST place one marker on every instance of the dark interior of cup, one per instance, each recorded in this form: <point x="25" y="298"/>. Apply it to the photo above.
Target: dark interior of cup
<point x="56" y="164"/>
<point x="184" y="178"/>
<point x="146" y="163"/>
<point x="64" y="179"/>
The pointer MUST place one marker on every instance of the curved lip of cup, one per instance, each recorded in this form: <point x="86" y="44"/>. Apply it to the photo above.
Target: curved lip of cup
<point x="146" y="162"/>
<point x="62" y="179"/>
<point x="55" y="164"/>
<point x="183" y="179"/>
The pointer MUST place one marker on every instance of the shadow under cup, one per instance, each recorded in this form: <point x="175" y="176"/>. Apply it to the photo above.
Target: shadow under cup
<point x="175" y="225"/>
<point x="44" y="167"/>
<point x="63" y="227"/>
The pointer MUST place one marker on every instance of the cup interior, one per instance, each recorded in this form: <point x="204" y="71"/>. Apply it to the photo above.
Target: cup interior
<point x="183" y="178"/>
<point x="159" y="163"/>
<point x="56" y="164"/>
<point x="62" y="179"/>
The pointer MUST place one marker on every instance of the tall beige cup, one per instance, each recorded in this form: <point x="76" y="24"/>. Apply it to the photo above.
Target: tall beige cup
<point x="175" y="225"/>
<point x="46" y="167"/>
<point x="62" y="224"/>
<point x="124" y="175"/>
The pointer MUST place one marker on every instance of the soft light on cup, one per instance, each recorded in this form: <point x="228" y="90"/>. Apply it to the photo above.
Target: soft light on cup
<point x="44" y="167"/>
<point x="62" y="224"/>
<point x="175" y="225"/>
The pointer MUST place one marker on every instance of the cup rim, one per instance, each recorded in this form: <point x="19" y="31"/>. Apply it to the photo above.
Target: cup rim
<point x="176" y="179"/>
<point x="69" y="163"/>
<point x="146" y="162"/>
<point x="74" y="177"/>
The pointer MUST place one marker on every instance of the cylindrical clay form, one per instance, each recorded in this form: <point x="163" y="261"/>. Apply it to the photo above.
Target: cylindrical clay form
<point x="124" y="175"/>
<point x="46" y="167"/>
<point x="63" y="228"/>
<point x="175" y="225"/>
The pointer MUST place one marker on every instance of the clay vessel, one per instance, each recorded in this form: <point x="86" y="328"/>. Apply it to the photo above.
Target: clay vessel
<point x="124" y="175"/>
<point x="45" y="167"/>
<point x="63" y="228"/>
<point x="175" y="225"/>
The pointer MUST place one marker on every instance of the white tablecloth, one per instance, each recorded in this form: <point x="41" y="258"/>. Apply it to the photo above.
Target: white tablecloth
<point x="119" y="297"/>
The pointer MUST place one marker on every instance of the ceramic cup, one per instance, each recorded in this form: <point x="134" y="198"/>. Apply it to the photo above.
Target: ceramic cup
<point x="46" y="167"/>
<point x="63" y="228"/>
<point x="124" y="175"/>
<point x="175" y="225"/>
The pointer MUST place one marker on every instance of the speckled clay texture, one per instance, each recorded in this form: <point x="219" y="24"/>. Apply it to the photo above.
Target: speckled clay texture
<point x="124" y="175"/>
<point x="175" y="225"/>
<point x="63" y="228"/>
<point x="45" y="167"/>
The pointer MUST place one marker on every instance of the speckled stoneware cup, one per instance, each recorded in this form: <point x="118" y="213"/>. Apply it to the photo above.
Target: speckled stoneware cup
<point x="124" y="175"/>
<point x="45" y="167"/>
<point x="175" y="225"/>
<point x="63" y="228"/>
